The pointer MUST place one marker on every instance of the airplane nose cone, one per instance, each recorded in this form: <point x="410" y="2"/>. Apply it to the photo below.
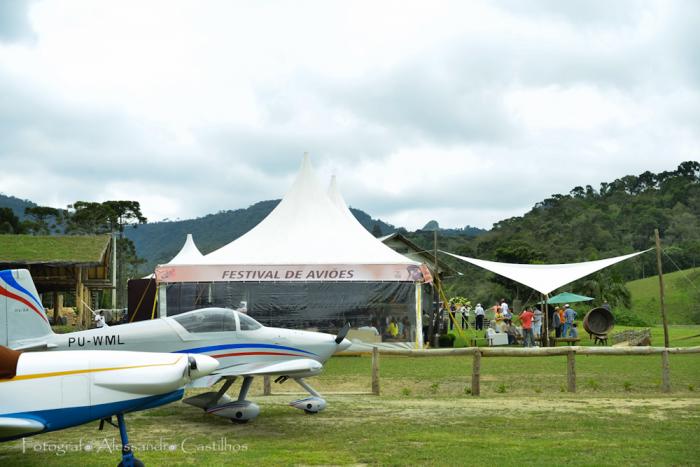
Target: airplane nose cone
<point x="344" y="345"/>
<point x="205" y="365"/>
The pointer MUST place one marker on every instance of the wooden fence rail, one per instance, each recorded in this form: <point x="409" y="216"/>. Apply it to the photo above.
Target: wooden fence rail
<point x="478" y="352"/>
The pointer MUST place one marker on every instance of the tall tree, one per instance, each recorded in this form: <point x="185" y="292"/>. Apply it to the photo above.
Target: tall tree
<point x="9" y="222"/>
<point x="110" y="217"/>
<point x="39" y="217"/>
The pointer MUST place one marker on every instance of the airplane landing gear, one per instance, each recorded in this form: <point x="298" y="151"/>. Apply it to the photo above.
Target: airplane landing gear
<point x="128" y="459"/>
<point x="310" y="405"/>
<point x="239" y="411"/>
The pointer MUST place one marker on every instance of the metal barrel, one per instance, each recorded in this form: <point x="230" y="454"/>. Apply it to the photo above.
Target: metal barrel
<point x="598" y="321"/>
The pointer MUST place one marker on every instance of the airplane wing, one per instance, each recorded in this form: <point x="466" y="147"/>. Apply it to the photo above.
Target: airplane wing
<point x="11" y="427"/>
<point x="288" y="368"/>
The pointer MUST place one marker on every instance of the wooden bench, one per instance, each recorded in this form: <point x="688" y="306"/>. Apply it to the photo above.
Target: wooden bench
<point x="568" y="340"/>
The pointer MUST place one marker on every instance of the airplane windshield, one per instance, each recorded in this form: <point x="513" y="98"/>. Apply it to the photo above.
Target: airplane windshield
<point x="248" y="323"/>
<point x="208" y="320"/>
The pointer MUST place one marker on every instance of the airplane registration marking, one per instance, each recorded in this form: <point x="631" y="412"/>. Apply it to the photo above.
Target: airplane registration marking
<point x="92" y="370"/>
<point x="114" y="339"/>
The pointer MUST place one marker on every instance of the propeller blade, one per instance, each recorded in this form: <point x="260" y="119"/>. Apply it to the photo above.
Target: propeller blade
<point x="342" y="333"/>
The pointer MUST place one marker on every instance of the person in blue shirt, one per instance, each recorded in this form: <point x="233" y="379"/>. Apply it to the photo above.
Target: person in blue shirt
<point x="569" y="318"/>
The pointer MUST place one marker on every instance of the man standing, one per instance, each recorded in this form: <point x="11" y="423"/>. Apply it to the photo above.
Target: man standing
<point x="537" y="323"/>
<point x="569" y="318"/>
<point x="526" y="322"/>
<point x="100" y="319"/>
<point x="479" y="312"/>
<point x="556" y="323"/>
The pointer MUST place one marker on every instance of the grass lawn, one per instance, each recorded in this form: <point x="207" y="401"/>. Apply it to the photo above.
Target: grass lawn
<point x="426" y="415"/>
<point x="682" y="295"/>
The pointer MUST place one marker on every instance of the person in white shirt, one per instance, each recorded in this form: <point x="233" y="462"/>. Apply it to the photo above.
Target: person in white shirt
<point x="464" y="312"/>
<point x="479" y="312"/>
<point x="100" y="320"/>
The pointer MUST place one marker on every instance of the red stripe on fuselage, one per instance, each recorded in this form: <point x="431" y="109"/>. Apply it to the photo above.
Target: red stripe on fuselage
<point x="9" y="294"/>
<point x="240" y="354"/>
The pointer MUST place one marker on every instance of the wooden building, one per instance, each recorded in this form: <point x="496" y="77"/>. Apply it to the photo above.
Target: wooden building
<point x="406" y="247"/>
<point x="76" y="265"/>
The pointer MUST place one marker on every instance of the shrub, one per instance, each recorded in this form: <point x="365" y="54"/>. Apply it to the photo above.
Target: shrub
<point x="628" y="318"/>
<point x="405" y="392"/>
<point x="467" y="390"/>
<point x="434" y="388"/>
<point x="446" y="340"/>
<point x="627" y="385"/>
<point x="501" y="388"/>
<point x="593" y="384"/>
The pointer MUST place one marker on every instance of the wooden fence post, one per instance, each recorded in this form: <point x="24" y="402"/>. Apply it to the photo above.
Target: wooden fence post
<point x="375" y="371"/>
<point x="476" y="373"/>
<point x="571" y="370"/>
<point x="665" y="372"/>
<point x="267" y="387"/>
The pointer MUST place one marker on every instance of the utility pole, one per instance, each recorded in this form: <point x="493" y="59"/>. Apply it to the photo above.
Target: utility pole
<point x="436" y="297"/>
<point x="661" y="286"/>
<point x="114" y="270"/>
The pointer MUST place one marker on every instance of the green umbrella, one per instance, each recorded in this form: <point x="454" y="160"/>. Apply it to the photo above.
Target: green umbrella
<point x="567" y="297"/>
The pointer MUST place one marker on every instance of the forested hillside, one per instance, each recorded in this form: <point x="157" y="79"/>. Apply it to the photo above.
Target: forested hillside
<point x="587" y="223"/>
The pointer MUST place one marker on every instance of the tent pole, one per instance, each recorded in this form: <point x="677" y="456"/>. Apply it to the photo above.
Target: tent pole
<point x="544" y="337"/>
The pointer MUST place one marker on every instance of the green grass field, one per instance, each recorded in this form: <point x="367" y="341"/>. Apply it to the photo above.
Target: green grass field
<point x="682" y="297"/>
<point x="425" y="416"/>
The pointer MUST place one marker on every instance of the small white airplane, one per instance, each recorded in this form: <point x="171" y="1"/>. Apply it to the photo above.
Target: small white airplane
<point x="243" y="347"/>
<point x="48" y="391"/>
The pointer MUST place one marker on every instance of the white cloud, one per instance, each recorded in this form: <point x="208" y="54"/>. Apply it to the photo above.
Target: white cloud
<point x="465" y="112"/>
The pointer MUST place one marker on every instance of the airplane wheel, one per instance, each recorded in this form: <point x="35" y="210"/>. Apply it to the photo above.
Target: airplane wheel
<point x="310" y="412"/>
<point x="137" y="463"/>
<point x="238" y="421"/>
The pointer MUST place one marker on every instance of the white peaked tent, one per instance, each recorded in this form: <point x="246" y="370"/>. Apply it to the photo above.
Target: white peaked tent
<point x="309" y="238"/>
<point x="545" y="277"/>
<point x="339" y="202"/>
<point x="188" y="253"/>
<point x="306" y="237"/>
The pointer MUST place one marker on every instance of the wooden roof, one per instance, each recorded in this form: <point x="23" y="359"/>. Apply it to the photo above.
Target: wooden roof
<point x="78" y="250"/>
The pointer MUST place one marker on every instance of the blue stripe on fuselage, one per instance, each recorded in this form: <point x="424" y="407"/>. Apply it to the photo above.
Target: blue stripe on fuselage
<point x="58" y="419"/>
<point x="213" y="348"/>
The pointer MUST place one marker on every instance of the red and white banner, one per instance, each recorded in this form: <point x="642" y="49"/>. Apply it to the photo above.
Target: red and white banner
<point x="291" y="273"/>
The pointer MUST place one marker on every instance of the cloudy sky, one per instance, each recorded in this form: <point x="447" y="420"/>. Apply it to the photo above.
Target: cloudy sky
<point x="463" y="112"/>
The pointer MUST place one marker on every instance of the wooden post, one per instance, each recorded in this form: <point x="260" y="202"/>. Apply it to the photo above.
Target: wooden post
<point x="267" y="387"/>
<point x="56" y="310"/>
<point x="661" y="286"/>
<point x="571" y="370"/>
<point x="665" y="372"/>
<point x="79" y="296"/>
<point x="476" y="373"/>
<point x="375" y="371"/>
<point x="544" y="332"/>
<point x="60" y="307"/>
<point x="89" y="319"/>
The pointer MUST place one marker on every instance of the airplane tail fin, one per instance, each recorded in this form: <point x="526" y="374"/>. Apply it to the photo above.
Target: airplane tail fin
<point x="22" y="316"/>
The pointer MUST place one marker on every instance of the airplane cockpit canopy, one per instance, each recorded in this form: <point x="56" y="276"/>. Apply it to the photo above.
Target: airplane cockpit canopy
<point x="216" y="320"/>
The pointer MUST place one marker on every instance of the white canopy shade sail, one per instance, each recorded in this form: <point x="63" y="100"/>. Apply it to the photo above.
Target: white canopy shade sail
<point x="545" y="277"/>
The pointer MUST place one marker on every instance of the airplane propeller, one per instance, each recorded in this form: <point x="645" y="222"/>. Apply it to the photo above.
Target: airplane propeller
<point x="342" y="333"/>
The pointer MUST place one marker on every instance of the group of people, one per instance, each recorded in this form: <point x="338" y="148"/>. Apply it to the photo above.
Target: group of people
<point x="462" y="314"/>
<point x="563" y="322"/>
<point x="530" y="324"/>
